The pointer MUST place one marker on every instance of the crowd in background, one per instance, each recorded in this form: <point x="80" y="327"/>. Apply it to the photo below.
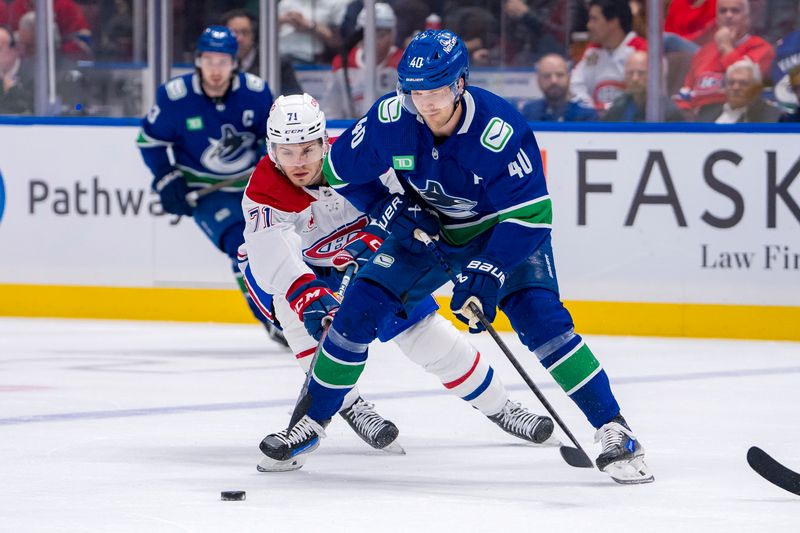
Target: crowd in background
<point x="725" y="61"/>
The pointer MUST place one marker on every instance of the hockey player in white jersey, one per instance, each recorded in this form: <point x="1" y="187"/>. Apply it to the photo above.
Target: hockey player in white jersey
<point x="299" y="233"/>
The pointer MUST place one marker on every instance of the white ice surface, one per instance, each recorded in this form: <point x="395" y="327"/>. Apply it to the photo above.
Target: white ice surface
<point x="137" y="427"/>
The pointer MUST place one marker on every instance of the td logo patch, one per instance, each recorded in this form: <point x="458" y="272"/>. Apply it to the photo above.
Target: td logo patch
<point x="403" y="162"/>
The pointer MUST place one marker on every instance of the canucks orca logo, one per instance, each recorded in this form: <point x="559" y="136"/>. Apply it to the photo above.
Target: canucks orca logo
<point x="452" y="206"/>
<point x="232" y="152"/>
<point x="2" y="197"/>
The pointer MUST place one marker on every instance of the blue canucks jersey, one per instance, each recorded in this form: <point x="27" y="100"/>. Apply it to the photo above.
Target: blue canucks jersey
<point x="486" y="179"/>
<point x="210" y="139"/>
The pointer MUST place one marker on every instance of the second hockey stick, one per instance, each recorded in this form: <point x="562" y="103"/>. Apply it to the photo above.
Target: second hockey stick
<point x="573" y="456"/>
<point x="304" y="400"/>
<point x="193" y="196"/>
<point x="773" y="471"/>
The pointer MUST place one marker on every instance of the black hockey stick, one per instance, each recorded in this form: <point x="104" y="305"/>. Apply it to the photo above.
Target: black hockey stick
<point x="304" y="400"/>
<point x="573" y="456"/>
<point x="773" y="471"/>
<point x="193" y="196"/>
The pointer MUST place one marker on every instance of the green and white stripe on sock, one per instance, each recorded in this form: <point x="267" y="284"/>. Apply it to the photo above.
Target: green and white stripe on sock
<point x="575" y="369"/>
<point x="334" y="373"/>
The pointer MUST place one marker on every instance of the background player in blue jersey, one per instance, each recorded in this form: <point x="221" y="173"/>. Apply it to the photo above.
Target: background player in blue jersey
<point x="472" y="174"/>
<point x="207" y="127"/>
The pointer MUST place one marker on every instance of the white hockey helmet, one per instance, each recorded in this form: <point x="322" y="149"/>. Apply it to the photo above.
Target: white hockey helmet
<point x="294" y="119"/>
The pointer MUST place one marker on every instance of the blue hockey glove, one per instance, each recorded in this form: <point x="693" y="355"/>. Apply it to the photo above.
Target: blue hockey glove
<point x="400" y="217"/>
<point x="360" y="250"/>
<point x="478" y="282"/>
<point x="172" y="189"/>
<point x="315" y="305"/>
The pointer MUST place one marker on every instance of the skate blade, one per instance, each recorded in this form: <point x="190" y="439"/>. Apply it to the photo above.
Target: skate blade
<point x="268" y="464"/>
<point x="394" y="448"/>
<point x="550" y="442"/>
<point x="631" y="472"/>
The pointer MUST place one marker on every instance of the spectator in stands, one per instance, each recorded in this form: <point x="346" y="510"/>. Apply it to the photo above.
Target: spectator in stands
<point x="345" y="95"/>
<point x="703" y="84"/>
<point x="558" y="105"/>
<point x="692" y="19"/>
<point x="532" y="29"/>
<point x="26" y="36"/>
<point x="477" y="27"/>
<point x="244" y="27"/>
<point x="309" y="29"/>
<point x="71" y="24"/>
<point x="742" y="98"/>
<point x="794" y="81"/>
<point x="630" y="106"/>
<point x="598" y="78"/>
<point x="14" y="98"/>
<point x="411" y="15"/>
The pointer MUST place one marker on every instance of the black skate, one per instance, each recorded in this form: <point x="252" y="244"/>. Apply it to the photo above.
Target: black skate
<point x="622" y="456"/>
<point x="518" y="421"/>
<point x="375" y="430"/>
<point x="288" y="449"/>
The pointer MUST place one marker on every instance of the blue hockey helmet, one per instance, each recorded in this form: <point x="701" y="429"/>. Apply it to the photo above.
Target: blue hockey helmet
<point x="433" y="59"/>
<point x="218" y="39"/>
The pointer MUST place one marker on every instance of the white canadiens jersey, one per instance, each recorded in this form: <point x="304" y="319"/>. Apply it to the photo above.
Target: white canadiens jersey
<point x="599" y="77"/>
<point x="289" y="228"/>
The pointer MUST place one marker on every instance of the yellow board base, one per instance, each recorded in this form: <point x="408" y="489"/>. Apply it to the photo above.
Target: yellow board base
<point x="226" y="305"/>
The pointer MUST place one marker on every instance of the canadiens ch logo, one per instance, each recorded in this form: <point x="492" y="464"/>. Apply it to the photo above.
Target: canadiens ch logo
<point x="232" y="152"/>
<point x="330" y="245"/>
<point x="452" y="206"/>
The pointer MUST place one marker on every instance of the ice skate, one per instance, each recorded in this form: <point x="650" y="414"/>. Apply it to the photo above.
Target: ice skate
<point x="276" y="334"/>
<point x="622" y="455"/>
<point x="375" y="430"/>
<point x="288" y="449"/>
<point x="518" y="421"/>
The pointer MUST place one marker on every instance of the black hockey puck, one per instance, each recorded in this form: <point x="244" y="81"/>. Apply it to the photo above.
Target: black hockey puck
<point x="233" y="495"/>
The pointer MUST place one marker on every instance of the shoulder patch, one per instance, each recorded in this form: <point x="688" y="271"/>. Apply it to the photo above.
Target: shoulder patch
<point x="390" y="110"/>
<point x="269" y="187"/>
<point x="176" y="89"/>
<point x="253" y="82"/>
<point x="496" y="134"/>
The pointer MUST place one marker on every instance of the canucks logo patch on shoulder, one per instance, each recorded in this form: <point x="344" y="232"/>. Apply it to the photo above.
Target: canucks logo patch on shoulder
<point x="253" y="82"/>
<point x="496" y="135"/>
<point x="176" y="89"/>
<point x="452" y="206"/>
<point x="389" y="110"/>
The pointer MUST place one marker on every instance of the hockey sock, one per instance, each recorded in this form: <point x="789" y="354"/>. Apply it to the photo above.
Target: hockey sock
<point x="437" y="346"/>
<point x="339" y="365"/>
<point x="578" y="372"/>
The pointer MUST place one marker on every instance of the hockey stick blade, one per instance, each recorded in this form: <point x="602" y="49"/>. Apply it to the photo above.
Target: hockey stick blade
<point x="575" y="457"/>
<point x="773" y="471"/>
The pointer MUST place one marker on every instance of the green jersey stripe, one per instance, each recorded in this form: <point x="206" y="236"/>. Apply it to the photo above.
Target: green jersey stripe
<point x="575" y="368"/>
<point x="145" y="141"/>
<point x="538" y="214"/>
<point x="331" y="176"/>
<point x="336" y="373"/>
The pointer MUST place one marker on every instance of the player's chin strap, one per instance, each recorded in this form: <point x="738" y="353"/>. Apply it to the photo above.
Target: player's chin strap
<point x="573" y="456"/>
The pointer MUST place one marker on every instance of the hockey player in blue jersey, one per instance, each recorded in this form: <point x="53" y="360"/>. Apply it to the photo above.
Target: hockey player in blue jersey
<point x="212" y="122"/>
<point x="472" y="175"/>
